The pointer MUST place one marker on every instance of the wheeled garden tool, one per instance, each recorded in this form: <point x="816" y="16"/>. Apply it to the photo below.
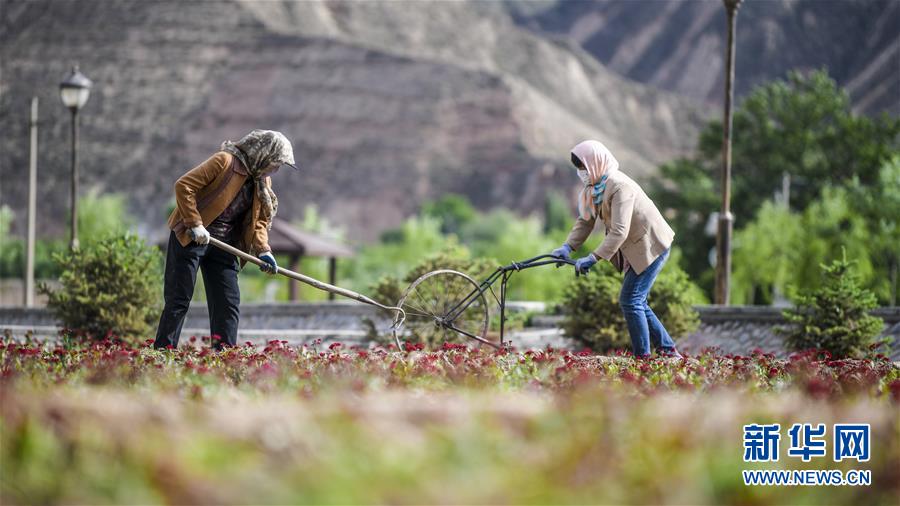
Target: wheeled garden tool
<point x="440" y="306"/>
<point x="444" y="304"/>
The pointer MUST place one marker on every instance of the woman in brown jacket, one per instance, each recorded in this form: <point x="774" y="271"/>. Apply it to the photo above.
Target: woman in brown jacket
<point x="637" y="240"/>
<point x="229" y="197"/>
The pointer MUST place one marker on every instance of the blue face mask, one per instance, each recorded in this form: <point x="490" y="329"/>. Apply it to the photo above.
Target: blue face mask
<point x="598" y="190"/>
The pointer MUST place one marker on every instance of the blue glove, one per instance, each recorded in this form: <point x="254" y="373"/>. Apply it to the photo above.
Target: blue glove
<point x="584" y="264"/>
<point x="272" y="266"/>
<point x="562" y="252"/>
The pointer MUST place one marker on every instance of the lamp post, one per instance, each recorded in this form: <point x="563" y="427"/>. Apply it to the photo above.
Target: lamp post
<point x="726" y="219"/>
<point x="74" y="92"/>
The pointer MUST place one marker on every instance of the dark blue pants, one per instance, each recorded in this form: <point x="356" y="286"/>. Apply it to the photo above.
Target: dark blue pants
<point x="643" y="325"/>
<point x="220" y="277"/>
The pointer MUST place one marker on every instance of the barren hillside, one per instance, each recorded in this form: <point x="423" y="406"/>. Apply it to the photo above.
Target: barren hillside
<point x="388" y="103"/>
<point x="680" y="45"/>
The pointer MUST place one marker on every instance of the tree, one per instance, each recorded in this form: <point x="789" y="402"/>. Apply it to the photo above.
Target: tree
<point x="836" y="316"/>
<point x="766" y="255"/>
<point x="802" y="127"/>
<point x="687" y="194"/>
<point x="880" y="205"/>
<point x="453" y="211"/>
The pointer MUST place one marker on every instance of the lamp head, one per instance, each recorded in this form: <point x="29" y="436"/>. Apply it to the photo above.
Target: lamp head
<point x="75" y="90"/>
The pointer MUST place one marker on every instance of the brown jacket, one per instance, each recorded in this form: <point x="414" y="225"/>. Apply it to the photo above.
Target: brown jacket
<point x="634" y="226"/>
<point x="206" y="190"/>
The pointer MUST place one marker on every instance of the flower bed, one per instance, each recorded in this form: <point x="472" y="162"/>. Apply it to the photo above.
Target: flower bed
<point x="112" y="423"/>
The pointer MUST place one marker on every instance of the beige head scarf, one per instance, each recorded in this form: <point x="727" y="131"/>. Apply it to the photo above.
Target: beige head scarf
<point x="601" y="165"/>
<point x="257" y="150"/>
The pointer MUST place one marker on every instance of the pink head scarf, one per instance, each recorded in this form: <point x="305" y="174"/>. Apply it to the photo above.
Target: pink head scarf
<point x="599" y="162"/>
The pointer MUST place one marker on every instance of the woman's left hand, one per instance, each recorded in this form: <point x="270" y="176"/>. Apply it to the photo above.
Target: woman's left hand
<point x="584" y="264"/>
<point x="272" y="266"/>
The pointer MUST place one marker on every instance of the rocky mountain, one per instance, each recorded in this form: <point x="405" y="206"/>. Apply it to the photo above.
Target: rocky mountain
<point x="680" y="45"/>
<point x="388" y="103"/>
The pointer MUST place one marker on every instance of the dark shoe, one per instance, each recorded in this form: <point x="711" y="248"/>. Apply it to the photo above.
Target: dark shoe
<point x="673" y="353"/>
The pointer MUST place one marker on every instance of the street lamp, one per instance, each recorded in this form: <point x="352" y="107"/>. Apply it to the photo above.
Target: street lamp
<point x="726" y="219"/>
<point x="74" y="92"/>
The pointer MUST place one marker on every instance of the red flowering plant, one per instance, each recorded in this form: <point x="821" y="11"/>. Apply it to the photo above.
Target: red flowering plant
<point x="278" y="366"/>
<point x="312" y="413"/>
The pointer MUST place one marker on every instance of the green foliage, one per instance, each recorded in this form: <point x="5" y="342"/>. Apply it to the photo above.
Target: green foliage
<point x="591" y="308"/>
<point x="314" y="222"/>
<point x="686" y="191"/>
<point x="132" y="425"/>
<point x="416" y="238"/>
<point x="803" y="127"/>
<point x="593" y="315"/>
<point x="836" y="316"/>
<point x="453" y="211"/>
<point x="507" y="238"/>
<point x="558" y="213"/>
<point x="456" y="259"/>
<point x="98" y="216"/>
<point x="880" y="206"/>
<point x="111" y="285"/>
<point x="12" y="252"/>
<point x="830" y="225"/>
<point x="781" y="251"/>
<point x="268" y="287"/>
<point x="389" y="289"/>
<point x="496" y="236"/>
<point x="767" y="253"/>
<point x="6" y="217"/>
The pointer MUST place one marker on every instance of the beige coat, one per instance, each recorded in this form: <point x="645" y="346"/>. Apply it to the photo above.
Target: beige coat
<point x="634" y="226"/>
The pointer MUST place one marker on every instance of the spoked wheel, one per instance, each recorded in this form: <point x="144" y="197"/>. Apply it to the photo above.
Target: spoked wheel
<point x="442" y="306"/>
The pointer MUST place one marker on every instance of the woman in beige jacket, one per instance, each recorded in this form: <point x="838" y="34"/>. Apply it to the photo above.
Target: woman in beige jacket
<point x="637" y="240"/>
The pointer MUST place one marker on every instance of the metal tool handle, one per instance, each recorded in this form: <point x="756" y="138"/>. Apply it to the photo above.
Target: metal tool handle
<point x="537" y="262"/>
<point x="350" y="294"/>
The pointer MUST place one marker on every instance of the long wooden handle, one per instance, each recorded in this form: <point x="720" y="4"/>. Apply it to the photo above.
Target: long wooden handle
<point x="350" y="294"/>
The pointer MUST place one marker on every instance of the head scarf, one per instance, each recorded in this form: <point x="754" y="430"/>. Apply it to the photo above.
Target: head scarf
<point x="601" y="165"/>
<point x="257" y="150"/>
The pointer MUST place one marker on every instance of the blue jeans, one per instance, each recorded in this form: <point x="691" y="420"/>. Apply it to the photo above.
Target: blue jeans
<point x="642" y="323"/>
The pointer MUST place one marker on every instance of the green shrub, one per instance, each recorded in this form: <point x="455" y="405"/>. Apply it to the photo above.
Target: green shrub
<point x="416" y="238"/>
<point x="453" y="211"/>
<point x="389" y="289"/>
<point x="835" y="317"/>
<point x="98" y="215"/>
<point x="593" y="317"/>
<point x="508" y="238"/>
<point x="112" y="285"/>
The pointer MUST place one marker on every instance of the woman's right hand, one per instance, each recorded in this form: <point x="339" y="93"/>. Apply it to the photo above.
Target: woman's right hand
<point x="562" y="252"/>
<point x="200" y="235"/>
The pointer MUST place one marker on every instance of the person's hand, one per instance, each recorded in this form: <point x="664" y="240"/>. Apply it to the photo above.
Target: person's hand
<point x="563" y="252"/>
<point x="271" y="266"/>
<point x="584" y="264"/>
<point x="200" y="235"/>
